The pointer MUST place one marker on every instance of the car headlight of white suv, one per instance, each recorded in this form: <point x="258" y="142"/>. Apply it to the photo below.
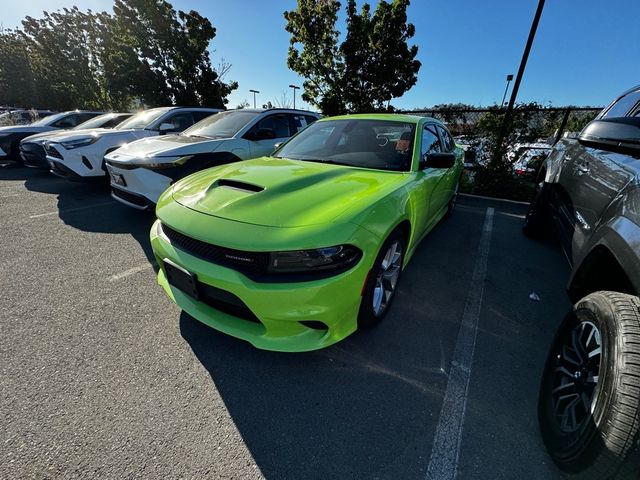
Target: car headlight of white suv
<point x="79" y="142"/>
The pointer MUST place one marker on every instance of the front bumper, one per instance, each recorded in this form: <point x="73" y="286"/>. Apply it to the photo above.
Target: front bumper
<point x="137" y="187"/>
<point x="75" y="163"/>
<point x="279" y="308"/>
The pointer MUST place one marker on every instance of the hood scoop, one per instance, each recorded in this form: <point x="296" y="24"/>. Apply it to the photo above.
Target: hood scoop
<point x="236" y="185"/>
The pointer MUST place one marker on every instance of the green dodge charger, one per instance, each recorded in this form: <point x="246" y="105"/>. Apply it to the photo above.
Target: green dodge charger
<point x="295" y="251"/>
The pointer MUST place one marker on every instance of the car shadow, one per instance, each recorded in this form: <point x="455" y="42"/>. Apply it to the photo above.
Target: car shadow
<point x="87" y="206"/>
<point x="366" y="407"/>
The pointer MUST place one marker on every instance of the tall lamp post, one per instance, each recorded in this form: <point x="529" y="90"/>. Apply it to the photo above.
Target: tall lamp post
<point x="294" y="87"/>
<point x="509" y="78"/>
<point x="254" y="97"/>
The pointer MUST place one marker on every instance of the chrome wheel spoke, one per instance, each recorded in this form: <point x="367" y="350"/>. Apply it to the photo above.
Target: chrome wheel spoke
<point x="387" y="277"/>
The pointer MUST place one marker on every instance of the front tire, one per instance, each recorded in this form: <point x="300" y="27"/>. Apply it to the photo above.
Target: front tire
<point x="589" y="404"/>
<point x="382" y="282"/>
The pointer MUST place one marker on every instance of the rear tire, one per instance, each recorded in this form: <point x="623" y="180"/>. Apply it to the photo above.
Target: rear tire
<point x="537" y="223"/>
<point x="589" y="404"/>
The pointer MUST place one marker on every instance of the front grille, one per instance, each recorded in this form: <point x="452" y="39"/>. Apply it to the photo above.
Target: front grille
<point x="247" y="262"/>
<point x="52" y="152"/>
<point x="130" y="197"/>
<point x="33" y="154"/>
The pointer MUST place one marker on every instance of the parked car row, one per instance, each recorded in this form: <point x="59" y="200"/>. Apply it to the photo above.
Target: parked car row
<point x="298" y="234"/>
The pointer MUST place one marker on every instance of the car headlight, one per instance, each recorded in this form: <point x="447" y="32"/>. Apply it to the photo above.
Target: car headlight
<point x="80" y="142"/>
<point x="321" y="259"/>
<point x="170" y="163"/>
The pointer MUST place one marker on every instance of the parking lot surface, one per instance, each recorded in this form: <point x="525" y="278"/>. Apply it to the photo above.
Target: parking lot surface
<point x="101" y="376"/>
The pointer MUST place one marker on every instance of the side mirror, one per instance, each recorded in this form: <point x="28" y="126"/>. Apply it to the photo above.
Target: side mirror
<point x="613" y="134"/>
<point x="438" y="160"/>
<point x="166" y="128"/>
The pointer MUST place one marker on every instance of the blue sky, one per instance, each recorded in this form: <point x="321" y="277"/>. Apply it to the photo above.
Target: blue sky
<point x="586" y="51"/>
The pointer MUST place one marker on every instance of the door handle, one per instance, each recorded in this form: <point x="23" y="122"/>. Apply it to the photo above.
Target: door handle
<point x="584" y="168"/>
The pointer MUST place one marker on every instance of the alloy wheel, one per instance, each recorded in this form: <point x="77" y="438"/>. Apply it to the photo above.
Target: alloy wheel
<point x="576" y="375"/>
<point x="387" y="278"/>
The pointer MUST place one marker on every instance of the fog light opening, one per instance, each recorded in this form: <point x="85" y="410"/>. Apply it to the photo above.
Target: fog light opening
<point x="87" y="163"/>
<point x="314" y="324"/>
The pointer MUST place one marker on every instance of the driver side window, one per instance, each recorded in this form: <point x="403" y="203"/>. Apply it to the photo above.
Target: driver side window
<point x="430" y="140"/>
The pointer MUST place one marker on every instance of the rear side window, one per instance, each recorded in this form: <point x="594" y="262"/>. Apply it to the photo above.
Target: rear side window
<point x="298" y="122"/>
<point x="623" y="105"/>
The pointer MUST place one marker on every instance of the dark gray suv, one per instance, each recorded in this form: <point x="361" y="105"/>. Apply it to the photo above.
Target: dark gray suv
<point x="589" y="188"/>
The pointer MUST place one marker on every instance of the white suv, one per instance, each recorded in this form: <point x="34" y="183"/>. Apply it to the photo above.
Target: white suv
<point x="142" y="170"/>
<point x="81" y="154"/>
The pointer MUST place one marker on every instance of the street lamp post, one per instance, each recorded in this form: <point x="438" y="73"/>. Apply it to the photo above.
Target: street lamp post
<point x="254" y="97"/>
<point x="509" y="78"/>
<point x="294" y="87"/>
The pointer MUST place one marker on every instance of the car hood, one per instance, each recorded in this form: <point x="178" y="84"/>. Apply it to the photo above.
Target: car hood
<point x="43" y="137"/>
<point x="25" y="129"/>
<point x="281" y="192"/>
<point x="165" y="146"/>
<point x="112" y="135"/>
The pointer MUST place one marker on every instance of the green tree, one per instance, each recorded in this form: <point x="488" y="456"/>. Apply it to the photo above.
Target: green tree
<point x="162" y="56"/>
<point x="373" y="65"/>
<point x="17" y="81"/>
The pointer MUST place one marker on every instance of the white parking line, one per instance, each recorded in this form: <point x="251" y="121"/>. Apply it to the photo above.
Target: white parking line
<point x="445" y="453"/>
<point x="131" y="271"/>
<point x="71" y="209"/>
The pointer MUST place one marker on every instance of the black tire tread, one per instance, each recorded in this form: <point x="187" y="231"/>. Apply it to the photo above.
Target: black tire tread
<point x="621" y="435"/>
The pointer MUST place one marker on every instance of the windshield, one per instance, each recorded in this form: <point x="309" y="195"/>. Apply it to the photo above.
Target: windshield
<point x="95" y="122"/>
<point x="142" y="119"/>
<point x="378" y="144"/>
<point x="43" y="122"/>
<point x="221" y="125"/>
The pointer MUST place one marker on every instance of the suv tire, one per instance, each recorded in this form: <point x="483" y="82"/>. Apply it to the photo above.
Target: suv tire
<point x="589" y="404"/>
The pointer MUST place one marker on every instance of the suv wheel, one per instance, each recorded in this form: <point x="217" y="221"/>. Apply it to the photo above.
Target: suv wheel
<point x="589" y="405"/>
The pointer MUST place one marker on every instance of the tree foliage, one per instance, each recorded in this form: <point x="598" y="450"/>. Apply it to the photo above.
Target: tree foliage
<point x="364" y="72"/>
<point x="145" y="51"/>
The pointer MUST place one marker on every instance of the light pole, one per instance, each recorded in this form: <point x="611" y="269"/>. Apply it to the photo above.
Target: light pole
<point x="254" y="97"/>
<point x="506" y="122"/>
<point x="509" y="78"/>
<point x="294" y="87"/>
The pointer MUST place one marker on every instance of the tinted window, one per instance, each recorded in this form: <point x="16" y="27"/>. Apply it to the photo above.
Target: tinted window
<point x="180" y="121"/>
<point x="430" y="140"/>
<point x="298" y="122"/>
<point x="279" y="123"/>
<point x="623" y="105"/>
<point x="447" y="141"/>
<point x="200" y="115"/>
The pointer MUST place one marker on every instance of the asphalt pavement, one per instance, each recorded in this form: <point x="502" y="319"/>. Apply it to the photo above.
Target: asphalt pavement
<point x="101" y="376"/>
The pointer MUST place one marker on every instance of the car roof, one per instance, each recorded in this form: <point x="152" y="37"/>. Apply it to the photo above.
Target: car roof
<point x="274" y="109"/>
<point x="394" y="117"/>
